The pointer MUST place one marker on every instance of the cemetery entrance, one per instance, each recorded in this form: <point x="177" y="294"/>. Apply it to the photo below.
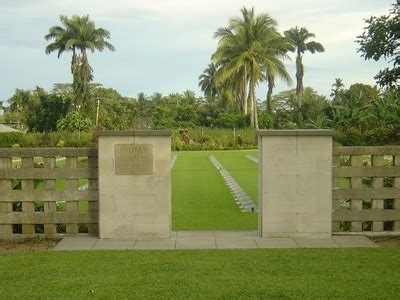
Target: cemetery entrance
<point x="147" y="192"/>
<point x="214" y="190"/>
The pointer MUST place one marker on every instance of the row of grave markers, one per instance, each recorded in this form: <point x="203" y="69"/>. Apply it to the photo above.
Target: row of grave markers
<point x="240" y="196"/>
<point x="252" y="158"/>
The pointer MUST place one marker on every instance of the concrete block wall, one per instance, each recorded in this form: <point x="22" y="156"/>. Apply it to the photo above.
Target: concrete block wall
<point x="295" y="183"/>
<point x="136" y="206"/>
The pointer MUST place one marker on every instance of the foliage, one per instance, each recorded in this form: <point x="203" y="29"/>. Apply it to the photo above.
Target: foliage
<point x="74" y="121"/>
<point x="297" y="38"/>
<point x="52" y="139"/>
<point x="381" y="40"/>
<point x="249" y="50"/>
<point x="213" y="139"/>
<point x="207" y="81"/>
<point x="44" y="110"/>
<point x="78" y="33"/>
<point x="360" y="114"/>
<point x="8" y="139"/>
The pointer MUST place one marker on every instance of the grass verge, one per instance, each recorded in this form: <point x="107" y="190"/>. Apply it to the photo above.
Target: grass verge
<point x="228" y="274"/>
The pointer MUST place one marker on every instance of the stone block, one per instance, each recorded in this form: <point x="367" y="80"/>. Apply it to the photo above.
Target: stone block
<point x="134" y="204"/>
<point x="278" y="223"/>
<point x="295" y="196"/>
<point x="314" y="222"/>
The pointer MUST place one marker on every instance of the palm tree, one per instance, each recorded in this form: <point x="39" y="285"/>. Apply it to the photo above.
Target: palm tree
<point x="297" y="38"/>
<point x="277" y="69"/>
<point x="337" y="89"/>
<point x="207" y="81"/>
<point x="78" y="34"/>
<point x="245" y="49"/>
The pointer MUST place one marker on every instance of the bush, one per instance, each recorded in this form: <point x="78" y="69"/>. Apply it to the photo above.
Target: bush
<point x="8" y="139"/>
<point x="213" y="139"/>
<point x="52" y="139"/>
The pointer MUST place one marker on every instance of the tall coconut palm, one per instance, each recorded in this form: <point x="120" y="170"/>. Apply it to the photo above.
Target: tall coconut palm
<point x="298" y="39"/>
<point x="207" y="81"/>
<point x="245" y="49"/>
<point x="78" y="33"/>
<point x="277" y="69"/>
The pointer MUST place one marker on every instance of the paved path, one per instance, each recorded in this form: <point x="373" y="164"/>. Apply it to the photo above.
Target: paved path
<point x="211" y="240"/>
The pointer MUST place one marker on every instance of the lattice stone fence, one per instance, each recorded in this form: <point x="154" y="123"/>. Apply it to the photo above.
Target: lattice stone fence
<point x="366" y="189"/>
<point x="48" y="191"/>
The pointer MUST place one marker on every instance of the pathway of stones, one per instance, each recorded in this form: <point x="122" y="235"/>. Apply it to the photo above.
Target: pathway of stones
<point x="240" y="196"/>
<point x="252" y="158"/>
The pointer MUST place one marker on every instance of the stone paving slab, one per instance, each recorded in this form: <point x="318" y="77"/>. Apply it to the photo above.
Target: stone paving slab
<point x="112" y="247"/>
<point x="168" y="244"/>
<point x="228" y="233"/>
<point x="316" y="242"/>
<point x="211" y="240"/>
<point x="197" y="234"/>
<point x="195" y="243"/>
<point x="76" y="243"/>
<point x="114" y="242"/>
<point x="354" y="241"/>
<point x="276" y="243"/>
<point x="240" y="242"/>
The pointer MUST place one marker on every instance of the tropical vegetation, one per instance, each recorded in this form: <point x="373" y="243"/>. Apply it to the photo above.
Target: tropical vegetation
<point x="250" y="52"/>
<point x="381" y="40"/>
<point x="78" y="34"/>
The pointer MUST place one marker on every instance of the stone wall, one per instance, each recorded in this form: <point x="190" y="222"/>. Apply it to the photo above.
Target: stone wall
<point x="295" y="183"/>
<point x="50" y="191"/>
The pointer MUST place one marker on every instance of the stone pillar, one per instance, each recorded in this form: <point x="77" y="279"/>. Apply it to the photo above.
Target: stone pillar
<point x="295" y="183"/>
<point x="134" y="184"/>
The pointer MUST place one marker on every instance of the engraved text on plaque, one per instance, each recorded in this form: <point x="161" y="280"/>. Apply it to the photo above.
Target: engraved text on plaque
<point x="133" y="159"/>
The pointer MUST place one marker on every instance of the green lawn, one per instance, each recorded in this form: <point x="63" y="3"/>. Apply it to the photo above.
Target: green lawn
<point x="228" y="274"/>
<point x="200" y="198"/>
<point x="242" y="169"/>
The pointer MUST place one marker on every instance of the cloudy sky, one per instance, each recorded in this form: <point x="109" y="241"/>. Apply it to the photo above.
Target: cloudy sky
<point x="163" y="45"/>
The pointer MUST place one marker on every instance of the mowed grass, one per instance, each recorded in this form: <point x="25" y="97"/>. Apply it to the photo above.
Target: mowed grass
<point x="203" y="274"/>
<point x="242" y="169"/>
<point x="200" y="198"/>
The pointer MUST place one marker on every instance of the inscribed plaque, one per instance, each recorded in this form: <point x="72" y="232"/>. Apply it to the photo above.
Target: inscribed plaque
<point x="133" y="159"/>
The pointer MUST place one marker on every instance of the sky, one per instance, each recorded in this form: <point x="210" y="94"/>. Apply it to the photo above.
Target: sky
<point x="164" y="45"/>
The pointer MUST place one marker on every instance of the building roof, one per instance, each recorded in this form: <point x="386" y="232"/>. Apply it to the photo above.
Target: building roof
<point x="5" y="128"/>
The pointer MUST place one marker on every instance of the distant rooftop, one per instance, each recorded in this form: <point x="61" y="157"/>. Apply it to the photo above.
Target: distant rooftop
<point x="5" y="128"/>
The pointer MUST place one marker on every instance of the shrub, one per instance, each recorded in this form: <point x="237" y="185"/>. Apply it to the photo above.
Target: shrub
<point x="213" y="139"/>
<point x="8" y="139"/>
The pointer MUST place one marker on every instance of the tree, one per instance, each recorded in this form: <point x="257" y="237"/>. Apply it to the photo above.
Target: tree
<point x="78" y="34"/>
<point x="381" y="39"/>
<point x="74" y="121"/>
<point x="293" y="111"/>
<point x="298" y="39"/>
<point x="19" y="103"/>
<point x="337" y="89"/>
<point x="276" y="70"/>
<point x="44" y="110"/>
<point x="246" y="48"/>
<point x="207" y="81"/>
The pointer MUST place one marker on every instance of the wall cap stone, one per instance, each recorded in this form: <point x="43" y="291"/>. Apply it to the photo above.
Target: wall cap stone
<point x="299" y="132"/>
<point x="135" y="133"/>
